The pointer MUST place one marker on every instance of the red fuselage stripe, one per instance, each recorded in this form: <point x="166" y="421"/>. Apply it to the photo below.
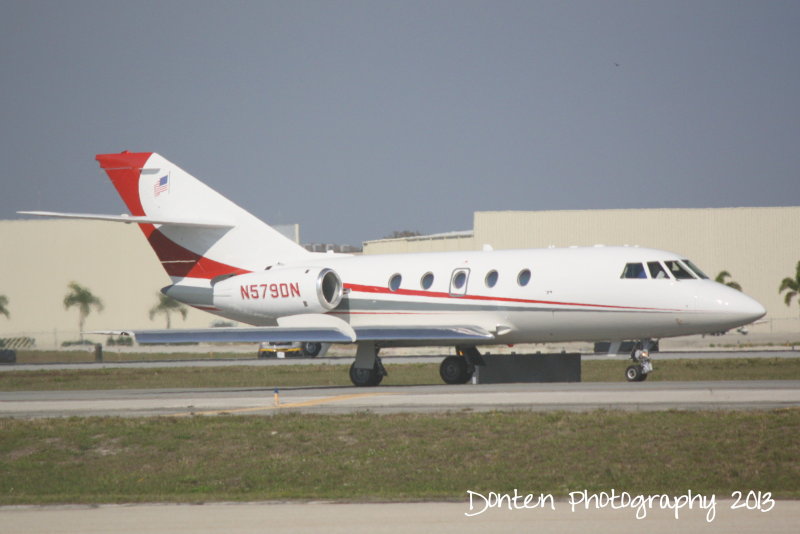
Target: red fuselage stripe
<point x="435" y="294"/>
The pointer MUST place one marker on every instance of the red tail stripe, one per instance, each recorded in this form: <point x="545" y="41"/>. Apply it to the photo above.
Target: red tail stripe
<point x="124" y="170"/>
<point x="182" y="262"/>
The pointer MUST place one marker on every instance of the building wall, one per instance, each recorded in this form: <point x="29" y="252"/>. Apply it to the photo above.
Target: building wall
<point x="452" y="241"/>
<point x="40" y="257"/>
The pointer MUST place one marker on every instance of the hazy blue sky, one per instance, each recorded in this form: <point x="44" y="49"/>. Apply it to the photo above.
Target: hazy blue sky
<point x="355" y="119"/>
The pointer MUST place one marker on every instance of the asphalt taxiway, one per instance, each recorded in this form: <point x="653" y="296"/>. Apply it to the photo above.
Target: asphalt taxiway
<point x="740" y="395"/>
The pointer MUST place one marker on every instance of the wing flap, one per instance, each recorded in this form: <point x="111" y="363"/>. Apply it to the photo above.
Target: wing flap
<point x="423" y="333"/>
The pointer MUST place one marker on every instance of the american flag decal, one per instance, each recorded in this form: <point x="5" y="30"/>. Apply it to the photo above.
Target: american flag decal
<point x="161" y="186"/>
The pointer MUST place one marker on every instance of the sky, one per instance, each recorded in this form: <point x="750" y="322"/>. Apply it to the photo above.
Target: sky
<point x="356" y="119"/>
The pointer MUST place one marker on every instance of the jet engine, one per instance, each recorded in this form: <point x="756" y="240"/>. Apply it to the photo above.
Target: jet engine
<point x="279" y="292"/>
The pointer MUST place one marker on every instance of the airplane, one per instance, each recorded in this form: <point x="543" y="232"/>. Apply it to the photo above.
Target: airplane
<point x="224" y="260"/>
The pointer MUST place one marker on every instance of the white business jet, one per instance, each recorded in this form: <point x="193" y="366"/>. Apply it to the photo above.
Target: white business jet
<point x="226" y="261"/>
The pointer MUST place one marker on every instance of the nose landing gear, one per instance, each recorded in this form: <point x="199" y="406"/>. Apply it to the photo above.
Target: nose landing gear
<point x="643" y="365"/>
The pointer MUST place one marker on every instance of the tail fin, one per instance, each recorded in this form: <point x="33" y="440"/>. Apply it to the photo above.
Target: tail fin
<point x="211" y="235"/>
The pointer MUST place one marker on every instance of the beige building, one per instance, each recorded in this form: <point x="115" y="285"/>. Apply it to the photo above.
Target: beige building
<point x="41" y="257"/>
<point x="758" y="246"/>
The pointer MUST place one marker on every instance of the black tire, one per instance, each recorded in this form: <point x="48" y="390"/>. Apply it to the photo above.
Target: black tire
<point x="312" y="349"/>
<point x="454" y="370"/>
<point x="365" y="377"/>
<point x="634" y="373"/>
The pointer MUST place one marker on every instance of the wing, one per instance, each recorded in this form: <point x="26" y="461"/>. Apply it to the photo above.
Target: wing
<point x="274" y="334"/>
<point x="322" y="334"/>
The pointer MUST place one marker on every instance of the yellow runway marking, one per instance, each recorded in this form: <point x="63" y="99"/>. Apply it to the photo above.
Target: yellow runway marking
<point x="313" y="402"/>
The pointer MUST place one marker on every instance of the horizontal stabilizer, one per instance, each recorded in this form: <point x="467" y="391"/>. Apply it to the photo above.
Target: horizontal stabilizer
<point x="197" y="223"/>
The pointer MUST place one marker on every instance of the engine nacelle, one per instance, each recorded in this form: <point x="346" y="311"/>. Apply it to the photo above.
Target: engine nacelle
<point x="280" y="292"/>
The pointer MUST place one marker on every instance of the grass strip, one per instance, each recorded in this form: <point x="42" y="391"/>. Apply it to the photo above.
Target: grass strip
<point x="337" y="375"/>
<point x="110" y="355"/>
<point x="404" y="457"/>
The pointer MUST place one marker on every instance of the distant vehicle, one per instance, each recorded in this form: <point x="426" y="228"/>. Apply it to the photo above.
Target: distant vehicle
<point x="295" y="349"/>
<point x="224" y="260"/>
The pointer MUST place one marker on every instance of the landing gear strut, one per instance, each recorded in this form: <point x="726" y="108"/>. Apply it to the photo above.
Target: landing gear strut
<point x="643" y="365"/>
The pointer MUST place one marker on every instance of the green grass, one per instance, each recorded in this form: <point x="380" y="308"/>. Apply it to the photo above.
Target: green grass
<point x="111" y="355"/>
<point x="696" y="370"/>
<point x="337" y="375"/>
<point x="369" y="457"/>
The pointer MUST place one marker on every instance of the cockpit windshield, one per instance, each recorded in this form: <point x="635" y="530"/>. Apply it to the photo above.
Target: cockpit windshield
<point x="663" y="270"/>
<point x="695" y="269"/>
<point x="678" y="270"/>
<point x="634" y="270"/>
<point x="657" y="270"/>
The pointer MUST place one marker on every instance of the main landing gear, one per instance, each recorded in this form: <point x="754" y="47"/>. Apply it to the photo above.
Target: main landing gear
<point x="367" y="370"/>
<point x="459" y="369"/>
<point x="643" y="365"/>
<point x="367" y="377"/>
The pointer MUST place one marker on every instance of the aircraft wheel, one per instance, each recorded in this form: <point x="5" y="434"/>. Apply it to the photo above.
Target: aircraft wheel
<point x="634" y="373"/>
<point x="454" y="370"/>
<point x="365" y="377"/>
<point x="312" y="349"/>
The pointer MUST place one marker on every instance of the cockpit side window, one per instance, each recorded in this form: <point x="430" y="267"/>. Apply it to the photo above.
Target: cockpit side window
<point x="696" y="270"/>
<point x="634" y="270"/>
<point x="657" y="270"/>
<point x="678" y="270"/>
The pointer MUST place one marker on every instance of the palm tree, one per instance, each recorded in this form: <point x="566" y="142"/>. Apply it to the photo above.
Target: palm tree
<point x="791" y="286"/>
<point x="4" y="306"/>
<point x="168" y="305"/>
<point x="723" y="276"/>
<point x="82" y="298"/>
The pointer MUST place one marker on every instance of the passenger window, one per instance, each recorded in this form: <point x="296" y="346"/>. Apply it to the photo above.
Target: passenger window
<point x="458" y="282"/>
<point x="634" y="270"/>
<point x="524" y="277"/>
<point x="678" y="270"/>
<point x="426" y="281"/>
<point x="394" y="282"/>
<point x="491" y="278"/>
<point x="459" y="279"/>
<point x="657" y="271"/>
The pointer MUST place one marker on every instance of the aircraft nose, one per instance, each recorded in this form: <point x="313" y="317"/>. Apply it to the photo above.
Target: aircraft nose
<point x="743" y="308"/>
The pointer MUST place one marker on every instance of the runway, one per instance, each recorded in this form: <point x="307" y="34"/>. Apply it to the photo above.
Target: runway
<point x="405" y="518"/>
<point x="644" y="396"/>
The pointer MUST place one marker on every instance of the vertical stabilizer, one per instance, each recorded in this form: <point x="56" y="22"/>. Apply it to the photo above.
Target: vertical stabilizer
<point x="153" y="187"/>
